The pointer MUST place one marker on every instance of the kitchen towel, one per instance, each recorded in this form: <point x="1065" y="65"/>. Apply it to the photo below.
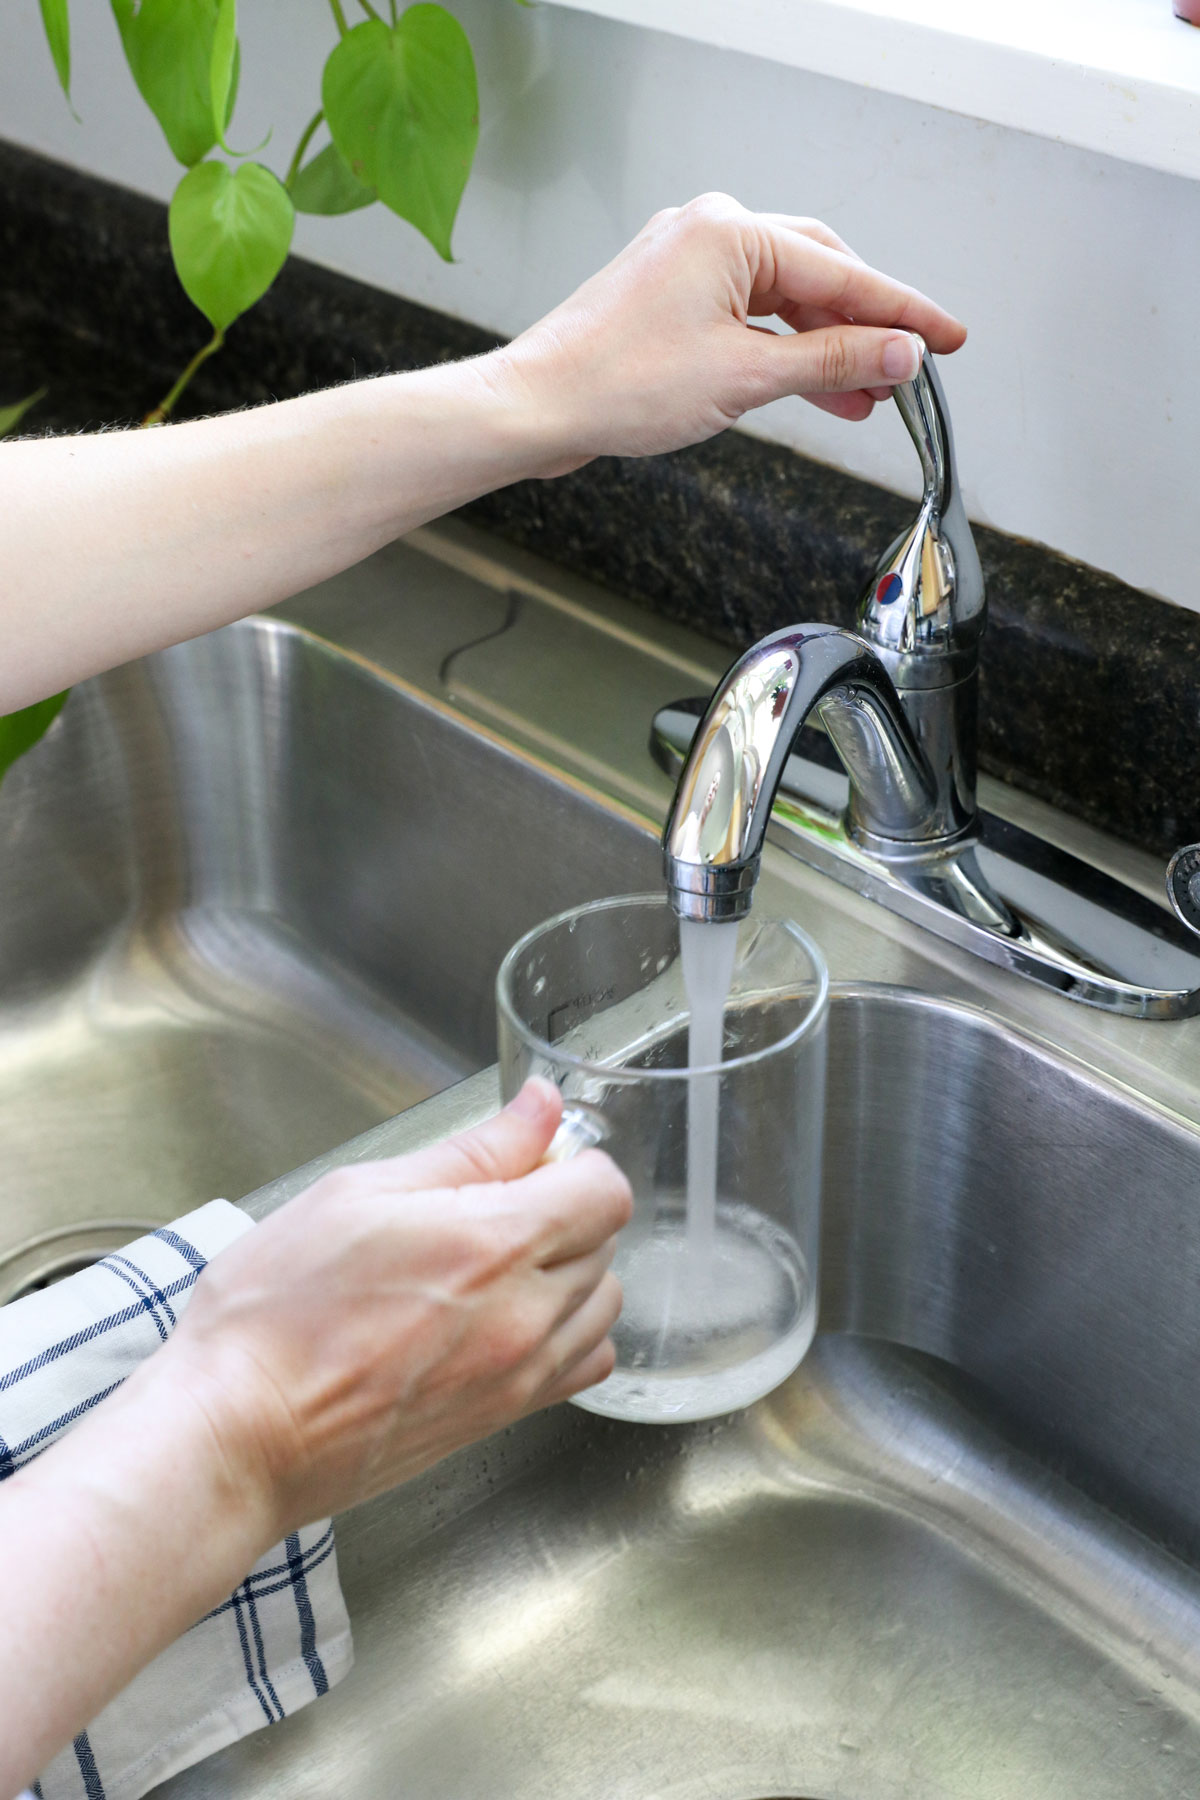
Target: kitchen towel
<point x="281" y="1638"/>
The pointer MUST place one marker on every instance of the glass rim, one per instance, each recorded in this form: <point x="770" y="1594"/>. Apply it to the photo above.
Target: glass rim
<point x="814" y="1015"/>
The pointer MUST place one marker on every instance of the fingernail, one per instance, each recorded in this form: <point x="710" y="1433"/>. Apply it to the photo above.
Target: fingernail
<point x="902" y="356"/>
<point x="533" y="1098"/>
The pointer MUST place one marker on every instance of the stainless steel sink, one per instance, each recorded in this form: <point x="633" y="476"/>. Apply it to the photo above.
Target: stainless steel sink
<point x="252" y="900"/>
<point x="954" y="1557"/>
<point x="933" y="1566"/>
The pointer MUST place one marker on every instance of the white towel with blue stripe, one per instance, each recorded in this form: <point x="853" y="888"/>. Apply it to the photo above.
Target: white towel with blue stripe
<point x="280" y="1640"/>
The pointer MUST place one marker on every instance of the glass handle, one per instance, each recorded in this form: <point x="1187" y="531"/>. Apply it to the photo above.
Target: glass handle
<point x="580" y="1128"/>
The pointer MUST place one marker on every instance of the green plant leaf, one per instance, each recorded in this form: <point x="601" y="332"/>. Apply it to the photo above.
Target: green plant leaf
<point x="403" y="107"/>
<point x="57" y="25"/>
<point x="230" y="231"/>
<point x="169" y="47"/>
<point x="11" y="416"/>
<point x="326" y="185"/>
<point x="20" y="731"/>
<point x="221" y="67"/>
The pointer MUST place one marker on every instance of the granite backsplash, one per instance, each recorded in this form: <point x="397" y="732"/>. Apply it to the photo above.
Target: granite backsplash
<point x="1090" y="688"/>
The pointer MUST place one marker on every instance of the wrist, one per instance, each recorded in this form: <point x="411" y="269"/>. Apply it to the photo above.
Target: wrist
<point x="118" y="1539"/>
<point x="213" y="1448"/>
<point x="534" y="397"/>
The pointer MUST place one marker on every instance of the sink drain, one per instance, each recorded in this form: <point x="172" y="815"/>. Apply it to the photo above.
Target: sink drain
<point x="53" y="1255"/>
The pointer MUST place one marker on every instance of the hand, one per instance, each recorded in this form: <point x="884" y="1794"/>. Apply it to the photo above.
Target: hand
<point x="657" y="350"/>
<point x="399" y="1310"/>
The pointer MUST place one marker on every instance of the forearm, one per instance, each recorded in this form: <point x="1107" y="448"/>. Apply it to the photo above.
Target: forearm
<point x="121" y="543"/>
<point x="113" y="1542"/>
<point x="118" y="544"/>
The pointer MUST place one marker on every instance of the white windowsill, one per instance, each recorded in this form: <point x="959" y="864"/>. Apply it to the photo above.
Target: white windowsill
<point x="1118" y="76"/>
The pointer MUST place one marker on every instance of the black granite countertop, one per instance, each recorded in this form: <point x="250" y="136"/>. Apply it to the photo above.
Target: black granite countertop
<point x="1090" y="688"/>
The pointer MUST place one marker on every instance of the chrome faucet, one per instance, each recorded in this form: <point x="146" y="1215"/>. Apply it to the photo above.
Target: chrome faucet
<point x="898" y="700"/>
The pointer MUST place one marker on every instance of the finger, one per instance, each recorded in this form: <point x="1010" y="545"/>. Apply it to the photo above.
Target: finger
<point x="574" y="1207"/>
<point x="501" y="1149"/>
<point x="800" y="318"/>
<point x="855" y="407"/>
<point x="842" y="359"/>
<point x="596" y="1366"/>
<point x="581" y="1334"/>
<point x="815" y="229"/>
<point x="567" y="1286"/>
<point x="814" y="275"/>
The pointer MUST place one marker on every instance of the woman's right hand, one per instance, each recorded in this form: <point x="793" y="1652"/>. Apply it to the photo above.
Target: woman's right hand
<point x="399" y="1310"/>
<point x="664" y="347"/>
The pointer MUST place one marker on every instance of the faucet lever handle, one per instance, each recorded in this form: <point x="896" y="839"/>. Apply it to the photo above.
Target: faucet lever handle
<point x="926" y="597"/>
<point x="922" y="406"/>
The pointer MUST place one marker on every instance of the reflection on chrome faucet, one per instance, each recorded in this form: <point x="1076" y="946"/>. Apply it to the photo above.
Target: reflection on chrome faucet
<point x="898" y="700"/>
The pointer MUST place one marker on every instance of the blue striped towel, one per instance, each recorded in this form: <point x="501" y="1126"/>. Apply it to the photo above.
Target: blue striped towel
<point x="281" y="1639"/>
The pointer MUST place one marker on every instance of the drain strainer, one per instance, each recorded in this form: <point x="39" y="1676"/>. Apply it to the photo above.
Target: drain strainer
<point x="53" y="1255"/>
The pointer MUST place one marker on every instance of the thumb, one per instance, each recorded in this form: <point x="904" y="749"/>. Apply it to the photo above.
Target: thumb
<point x="504" y="1147"/>
<point x="840" y="359"/>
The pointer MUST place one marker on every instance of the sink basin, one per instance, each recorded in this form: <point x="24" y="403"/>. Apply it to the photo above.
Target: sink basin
<point x="932" y="1566"/>
<point x="255" y="893"/>
<point x="236" y="927"/>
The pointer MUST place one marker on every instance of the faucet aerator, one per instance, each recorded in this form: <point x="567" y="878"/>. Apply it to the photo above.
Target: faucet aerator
<point x="709" y="893"/>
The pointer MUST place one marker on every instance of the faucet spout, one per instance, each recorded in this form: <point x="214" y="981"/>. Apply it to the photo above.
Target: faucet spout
<point x="712" y="845"/>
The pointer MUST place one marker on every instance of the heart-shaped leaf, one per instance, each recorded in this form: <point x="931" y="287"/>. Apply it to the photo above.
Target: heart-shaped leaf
<point x="403" y="107"/>
<point x="326" y="185"/>
<point x="169" y="48"/>
<point x="230" y="231"/>
<point x="57" y="24"/>
<point x="20" y="731"/>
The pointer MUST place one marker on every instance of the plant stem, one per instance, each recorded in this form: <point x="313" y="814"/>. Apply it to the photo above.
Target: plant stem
<point x="301" y="147"/>
<point x="339" y="17"/>
<point x="159" y="414"/>
<point x="395" y="16"/>
<point x="370" y="11"/>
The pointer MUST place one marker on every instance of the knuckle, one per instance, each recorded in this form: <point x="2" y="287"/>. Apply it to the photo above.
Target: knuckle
<point x="476" y="1155"/>
<point x="821" y="233"/>
<point x="836" y="362"/>
<point x="530" y="1383"/>
<point x="613" y="1299"/>
<point x="513" y="1341"/>
<point x="597" y="1366"/>
<point x="713" y="204"/>
<point x="760" y="374"/>
<point x="476" y="1252"/>
<point x="503" y="1240"/>
<point x="711" y="210"/>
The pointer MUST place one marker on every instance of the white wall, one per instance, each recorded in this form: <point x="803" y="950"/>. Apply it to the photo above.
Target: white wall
<point x="1077" y="401"/>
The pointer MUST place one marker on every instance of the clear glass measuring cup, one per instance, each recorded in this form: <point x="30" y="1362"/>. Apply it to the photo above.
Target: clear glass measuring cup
<point x="719" y="1265"/>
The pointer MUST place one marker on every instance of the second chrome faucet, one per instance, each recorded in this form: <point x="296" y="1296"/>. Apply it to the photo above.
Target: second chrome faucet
<point x="898" y="700"/>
